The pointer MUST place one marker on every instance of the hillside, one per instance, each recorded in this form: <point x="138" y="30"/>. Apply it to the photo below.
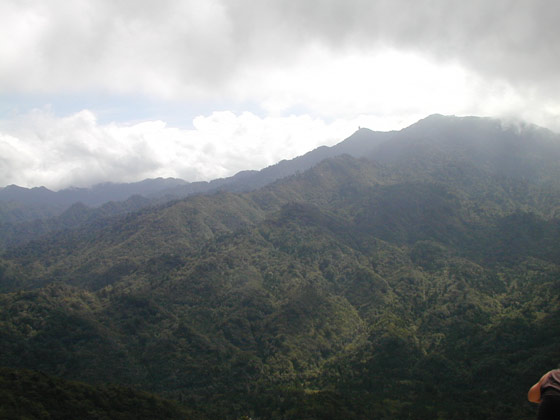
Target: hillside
<point x="31" y="395"/>
<point x="417" y="278"/>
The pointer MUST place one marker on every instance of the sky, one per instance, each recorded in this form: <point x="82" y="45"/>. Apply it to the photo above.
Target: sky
<point x="122" y="90"/>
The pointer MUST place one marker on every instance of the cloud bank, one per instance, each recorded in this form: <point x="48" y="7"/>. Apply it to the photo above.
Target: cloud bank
<point x="191" y="47"/>
<point x="77" y="150"/>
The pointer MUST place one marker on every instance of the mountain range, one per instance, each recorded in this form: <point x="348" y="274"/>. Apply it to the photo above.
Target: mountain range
<point x="408" y="274"/>
<point x="21" y="204"/>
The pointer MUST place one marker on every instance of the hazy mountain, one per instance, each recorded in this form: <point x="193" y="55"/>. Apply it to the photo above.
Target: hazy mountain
<point x="23" y="204"/>
<point x="514" y="150"/>
<point x="26" y="214"/>
<point x="12" y="234"/>
<point x="511" y="149"/>
<point x="406" y="284"/>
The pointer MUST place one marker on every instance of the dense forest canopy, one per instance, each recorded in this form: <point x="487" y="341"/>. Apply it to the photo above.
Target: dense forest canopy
<point x="411" y="275"/>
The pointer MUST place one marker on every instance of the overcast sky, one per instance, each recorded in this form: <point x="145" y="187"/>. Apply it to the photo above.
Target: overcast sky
<point x="121" y="90"/>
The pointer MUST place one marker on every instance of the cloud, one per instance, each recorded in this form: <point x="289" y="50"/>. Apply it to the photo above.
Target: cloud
<point x="200" y="49"/>
<point x="352" y="84"/>
<point x="159" y="48"/>
<point x="514" y="40"/>
<point x="42" y="149"/>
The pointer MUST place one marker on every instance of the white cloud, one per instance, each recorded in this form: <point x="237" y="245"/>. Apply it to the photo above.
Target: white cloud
<point x="352" y="83"/>
<point x="42" y="149"/>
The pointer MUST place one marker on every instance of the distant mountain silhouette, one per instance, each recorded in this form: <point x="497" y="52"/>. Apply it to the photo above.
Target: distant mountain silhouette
<point x="41" y="202"/>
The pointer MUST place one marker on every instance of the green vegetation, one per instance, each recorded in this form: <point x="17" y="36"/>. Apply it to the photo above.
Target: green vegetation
<point x="26" y="394"/>
<point x="421" y="289"/>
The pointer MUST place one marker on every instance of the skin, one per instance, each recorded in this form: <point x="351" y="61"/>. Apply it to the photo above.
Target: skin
<point x="534" y="394"/>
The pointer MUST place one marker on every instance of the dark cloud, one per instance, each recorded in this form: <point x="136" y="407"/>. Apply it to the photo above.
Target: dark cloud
<point x="513" y="40"/>
<point x="207" y="43"/>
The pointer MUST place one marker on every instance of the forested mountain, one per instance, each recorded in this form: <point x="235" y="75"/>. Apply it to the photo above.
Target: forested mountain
<point x="27" y="394"/>
<point x="19" y="204"/>
<point x="29" y="213"/>
<point x="415" y="277"/>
